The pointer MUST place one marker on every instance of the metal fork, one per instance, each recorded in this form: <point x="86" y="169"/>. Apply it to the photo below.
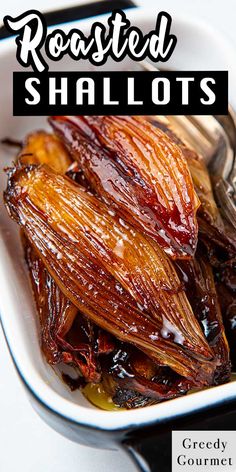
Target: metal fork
<point x="214" y="138"/>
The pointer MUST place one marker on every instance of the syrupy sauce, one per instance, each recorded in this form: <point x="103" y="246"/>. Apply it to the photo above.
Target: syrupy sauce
<point x="123" y="369"/>
<point x="119" y="181"/>
<point x="202" y="299"/>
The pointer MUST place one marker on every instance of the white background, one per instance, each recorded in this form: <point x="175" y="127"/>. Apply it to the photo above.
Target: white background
<point x="26" y="443"/>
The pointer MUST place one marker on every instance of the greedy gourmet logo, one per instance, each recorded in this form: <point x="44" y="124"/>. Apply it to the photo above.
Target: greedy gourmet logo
<point x="43" y="92"/>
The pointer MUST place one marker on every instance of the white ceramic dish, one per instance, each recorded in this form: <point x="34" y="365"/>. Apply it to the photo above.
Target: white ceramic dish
<point x="199" y="47"/>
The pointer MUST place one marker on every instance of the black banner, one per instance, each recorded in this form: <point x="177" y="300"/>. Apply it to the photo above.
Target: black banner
<point x="126" y="93"/>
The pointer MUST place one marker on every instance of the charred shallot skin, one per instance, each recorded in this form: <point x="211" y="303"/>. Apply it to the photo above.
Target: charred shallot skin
<point x="66" y="335"/>
<point x="140" y="171"/>
<point x="198" y="278"/>
<point x="131" y="378"/>
<point x="56" y="312"/>
<point x="111" y="273"/>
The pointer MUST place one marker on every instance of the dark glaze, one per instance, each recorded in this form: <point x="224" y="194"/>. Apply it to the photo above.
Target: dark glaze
<point x="208" y="210"/>
<point x="198" y="279"/>
<point x="134" y="376"/>
<point x="86" y="343"/>
<point x="219" y="244"/>
<point x="121" y="371"/>
<point x="85" y="278"/>
<point x="56" y="312"/>
<point x="225" y="276"/>
<point x="76" y="174"/>
<point x="66" y="335"/>
<point x="140" y="172"/>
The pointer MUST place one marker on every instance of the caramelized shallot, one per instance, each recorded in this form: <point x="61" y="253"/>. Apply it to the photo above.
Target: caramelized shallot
<point x="140" y="171"/>
<point x="129" y="257"/>
<point x="112" y="274"/>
